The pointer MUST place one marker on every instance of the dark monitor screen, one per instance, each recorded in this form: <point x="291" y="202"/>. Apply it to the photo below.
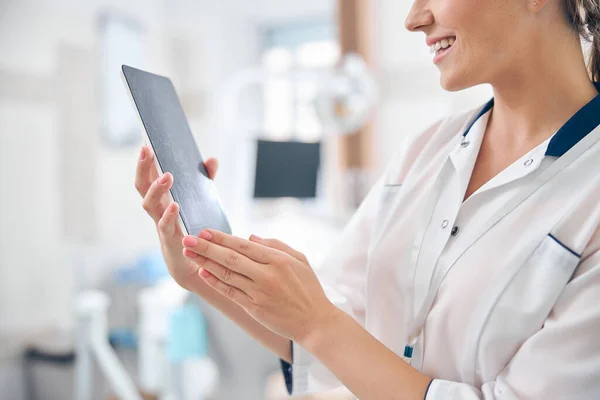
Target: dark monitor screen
<point x="286" y="169"/>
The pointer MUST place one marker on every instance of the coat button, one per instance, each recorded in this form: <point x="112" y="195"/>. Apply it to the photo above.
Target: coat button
<point x="529" y="162"/>
<point x="454" y="231"/>
<point x="444" y="224"/>
<point x="465" y="144"/>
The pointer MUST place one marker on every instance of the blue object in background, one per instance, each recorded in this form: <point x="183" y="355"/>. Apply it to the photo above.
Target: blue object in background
<point x="187" y="334"/>
<point x="123" y="338"/>
<point x="127" y="281"/>
<point x="148" y="270"/>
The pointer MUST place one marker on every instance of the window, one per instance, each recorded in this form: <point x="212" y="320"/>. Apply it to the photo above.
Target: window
<point x="288" y="111"/>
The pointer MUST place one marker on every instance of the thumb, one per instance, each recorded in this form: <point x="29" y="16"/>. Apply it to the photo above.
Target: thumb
<point x="212" y="166"/>
<point x="278" y="245"/>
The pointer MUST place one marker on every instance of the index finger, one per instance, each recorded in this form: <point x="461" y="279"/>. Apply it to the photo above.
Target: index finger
<point x="145" y="171"/>
<point x="229" y="258"/>
<point x="253" y="251"/>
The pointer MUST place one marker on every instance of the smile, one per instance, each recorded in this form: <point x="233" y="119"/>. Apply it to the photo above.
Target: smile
<point x="441" y="45"/>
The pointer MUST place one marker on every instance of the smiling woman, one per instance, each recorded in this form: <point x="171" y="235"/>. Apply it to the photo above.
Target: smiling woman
<point x="471" y="270"/>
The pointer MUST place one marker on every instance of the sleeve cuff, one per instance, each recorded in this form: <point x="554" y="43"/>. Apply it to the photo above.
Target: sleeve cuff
<point x="427" y="390"/>
<point x="441" y="390"/>
<point x="287" y="370"/>
<point x="437" y="389"/>
<point x="296" y="374"/>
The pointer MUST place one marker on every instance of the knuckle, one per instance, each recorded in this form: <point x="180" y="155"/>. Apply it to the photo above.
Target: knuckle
<point x="230" y="292"/>
<point x="218" y="238"/>
<point x="278" y="259"/>
<point x="232" y="258"/>
<point x="146" y="205"/>
<point x="227" y="275"/>
<point x="244" y="246"/>
<point x="257" y="298"/>
<point x="203" y="247"/>
<point x="261" y="300"/>
<point x="163" y="225"/>
<point x="213" y="281"/>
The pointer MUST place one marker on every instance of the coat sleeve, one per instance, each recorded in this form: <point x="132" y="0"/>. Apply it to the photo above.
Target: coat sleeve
<point x="343" y="272"/>
<point x="343" y="279"/>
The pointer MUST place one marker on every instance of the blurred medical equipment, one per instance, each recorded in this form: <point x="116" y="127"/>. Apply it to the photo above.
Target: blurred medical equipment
<point x="151" y="316"/>
<point x="92" y="343"/>
<point x="172" y="346"/>
<point x="194" y="374"/>
<point x="344" y="101"/>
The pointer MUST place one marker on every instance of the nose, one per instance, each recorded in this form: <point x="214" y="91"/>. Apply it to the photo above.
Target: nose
<point x="419" y="16"/>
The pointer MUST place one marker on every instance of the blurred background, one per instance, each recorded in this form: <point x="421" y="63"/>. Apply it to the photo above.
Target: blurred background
<point x="87" y="310"/>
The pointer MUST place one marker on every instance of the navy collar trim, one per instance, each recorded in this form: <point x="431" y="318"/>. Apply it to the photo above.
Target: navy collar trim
<point x="583" y="122"/>
<point x="576" y="128"/>
<point x="485" y="109"/>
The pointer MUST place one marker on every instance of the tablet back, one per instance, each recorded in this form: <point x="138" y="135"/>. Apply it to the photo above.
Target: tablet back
<point x="171" y="139"/>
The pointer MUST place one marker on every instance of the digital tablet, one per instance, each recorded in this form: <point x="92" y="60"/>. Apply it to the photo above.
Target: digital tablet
<point x="175" y="150"/>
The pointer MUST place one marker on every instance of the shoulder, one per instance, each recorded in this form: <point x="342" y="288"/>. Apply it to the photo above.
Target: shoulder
<point x="431" y="143"/>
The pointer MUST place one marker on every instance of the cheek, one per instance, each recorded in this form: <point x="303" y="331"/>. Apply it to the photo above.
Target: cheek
<point x="484" y="45"/>
<point x="463" y="68"/>
<point x="476" y="60"/>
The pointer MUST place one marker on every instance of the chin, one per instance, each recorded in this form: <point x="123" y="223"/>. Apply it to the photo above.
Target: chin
<point x="455" y="82"/>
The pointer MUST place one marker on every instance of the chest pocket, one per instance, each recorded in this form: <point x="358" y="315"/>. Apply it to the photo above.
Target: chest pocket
<point x="518" y="306"/>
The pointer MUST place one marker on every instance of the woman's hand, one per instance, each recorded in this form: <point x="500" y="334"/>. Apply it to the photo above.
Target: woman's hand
<point x="271" y="281"/>
<point x="164" y="212"/>
<point x="156" y="201"/>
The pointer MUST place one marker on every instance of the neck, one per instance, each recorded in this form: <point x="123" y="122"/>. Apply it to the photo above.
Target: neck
<point x="532" y="102"/>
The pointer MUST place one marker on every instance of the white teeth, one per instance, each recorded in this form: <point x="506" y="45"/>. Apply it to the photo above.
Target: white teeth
<point x="442" y="44"/>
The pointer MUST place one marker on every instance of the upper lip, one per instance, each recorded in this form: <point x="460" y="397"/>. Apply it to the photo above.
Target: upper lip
<point x="433" y="40"/>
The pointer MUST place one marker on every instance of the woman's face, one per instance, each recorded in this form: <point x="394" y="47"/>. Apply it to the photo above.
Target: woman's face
<point x="477" y="41"/>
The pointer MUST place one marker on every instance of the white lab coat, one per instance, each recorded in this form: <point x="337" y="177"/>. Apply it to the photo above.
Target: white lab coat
<point x="517" y="313"/>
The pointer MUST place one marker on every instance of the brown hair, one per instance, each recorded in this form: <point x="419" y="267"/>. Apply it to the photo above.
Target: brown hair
<point x="584" y="15"/>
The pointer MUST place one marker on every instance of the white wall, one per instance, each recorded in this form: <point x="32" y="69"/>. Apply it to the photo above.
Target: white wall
<point x="197" y="47"/>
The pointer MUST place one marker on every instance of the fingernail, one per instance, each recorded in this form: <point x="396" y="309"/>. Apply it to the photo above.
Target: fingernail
<point x="142" y="154"/>
<point x="254" y="237"/>
<point x="163" y="179"/>
<point x="190" y="241"/>
<point x="204" y="273"/>
<point x="205" y="235"/>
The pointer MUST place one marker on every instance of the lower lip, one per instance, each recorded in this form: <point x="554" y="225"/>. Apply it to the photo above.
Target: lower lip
<point x="442" y="54"/>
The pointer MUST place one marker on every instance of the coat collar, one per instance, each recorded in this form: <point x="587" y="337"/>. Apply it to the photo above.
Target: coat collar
<point x="576" y="128"/>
